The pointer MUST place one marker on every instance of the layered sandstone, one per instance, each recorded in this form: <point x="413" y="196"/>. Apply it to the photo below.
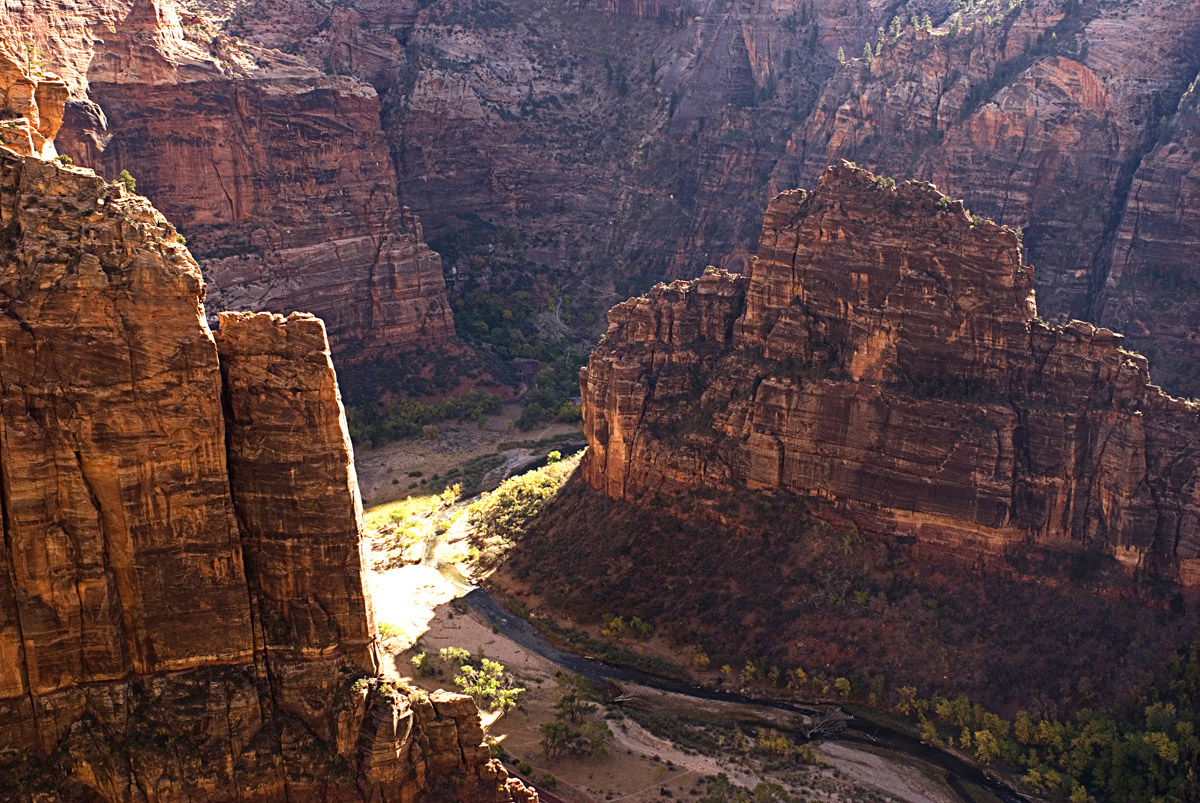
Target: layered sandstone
<point x="636" y="133"/>
<point x="182" y="610"/>
<point x="279" y="175"/>
<point x="1039" y="115"/>
<point x="31" y="107"/>
<point x="885" y="352"/>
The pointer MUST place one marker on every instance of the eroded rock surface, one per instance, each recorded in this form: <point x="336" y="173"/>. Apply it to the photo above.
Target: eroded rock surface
<point x="31" y="107"/>
<point x="279" y="175"/>
<point x="1048" y="116"/>
<point x="885" y="352"/>
<point x="182" y="610"/>
<point x="1153" y="289"/>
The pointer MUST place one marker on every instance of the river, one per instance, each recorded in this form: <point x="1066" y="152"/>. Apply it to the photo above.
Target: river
<point x="861" y="731"/>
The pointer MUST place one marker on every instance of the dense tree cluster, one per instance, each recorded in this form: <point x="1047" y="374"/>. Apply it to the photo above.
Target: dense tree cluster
<point x="403" y="418"/>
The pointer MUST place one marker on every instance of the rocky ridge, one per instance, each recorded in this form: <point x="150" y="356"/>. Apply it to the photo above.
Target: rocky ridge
<point x="884" y="352"/>
<point x="182" y="609"/>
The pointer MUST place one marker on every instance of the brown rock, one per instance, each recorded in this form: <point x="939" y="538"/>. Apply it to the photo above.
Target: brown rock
<point x="118" y="521"/>
<point x="889" y="357"/>
<point x="291" y="470"/>
<point x="1039" y="119"/>
<point x="32" y="108"/>
<point x="182" y="609"/>
<point x="279" y="175"/>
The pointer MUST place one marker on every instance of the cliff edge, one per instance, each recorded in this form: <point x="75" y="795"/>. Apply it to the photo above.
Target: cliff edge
<point x="182" y="608"/>
<point x="884" y="352"/>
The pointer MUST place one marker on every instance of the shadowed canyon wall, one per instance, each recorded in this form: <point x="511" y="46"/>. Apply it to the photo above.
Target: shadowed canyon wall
<point x="885" y="352"/>
<point x="640" y="140"/>
<point x="279" y="175"/>
<point x="182" y="608"/>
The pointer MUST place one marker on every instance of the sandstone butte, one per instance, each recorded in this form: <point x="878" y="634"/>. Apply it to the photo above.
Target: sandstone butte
<point x="279" y="175"/>
<point x="182" y="605"/>
<point x="884" y="352"/>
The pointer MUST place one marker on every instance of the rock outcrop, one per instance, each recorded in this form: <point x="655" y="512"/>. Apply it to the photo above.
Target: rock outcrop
<point x="885" y="352"/>
<point x="1044" y="116"/>
<point x="31" y="108"/>
<point x="182" y="610"/>
<point x="279" y="175"/>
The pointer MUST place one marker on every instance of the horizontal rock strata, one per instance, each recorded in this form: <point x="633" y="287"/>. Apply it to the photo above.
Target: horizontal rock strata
<point x="885" y="352"/>
<point x="182" y="608"/>
<point x="279" y="176"/>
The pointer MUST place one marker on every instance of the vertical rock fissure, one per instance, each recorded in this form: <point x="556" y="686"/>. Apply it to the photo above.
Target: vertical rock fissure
<point x="110" y="565"/>
<point x="261" y="659"/>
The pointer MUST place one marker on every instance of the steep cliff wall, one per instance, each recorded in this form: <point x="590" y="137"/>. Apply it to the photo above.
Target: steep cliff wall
<point x="646" y="136"/>
<point x="1153" y="287"/>
<point x="1039" y="114"/>
<point x="279" y="175"/>
<point x="885" y="353"/>
<point x="636" y="134"/>
<point x="182" y="611"/>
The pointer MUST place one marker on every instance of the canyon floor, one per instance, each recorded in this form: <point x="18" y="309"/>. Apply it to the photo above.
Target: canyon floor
<point x="419" y="609"/>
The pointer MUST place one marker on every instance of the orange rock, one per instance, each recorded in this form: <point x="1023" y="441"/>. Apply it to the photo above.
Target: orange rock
<point x="32" y="108"/>
<point x="182" y="606"/>
<point x="885" y="353"/>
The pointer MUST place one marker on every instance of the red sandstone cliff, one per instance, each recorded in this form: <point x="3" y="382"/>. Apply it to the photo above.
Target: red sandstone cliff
<point x="182" y="610"/>
<point x="884" y="352"/>
<point x="1047" y="116"/>
<point x="279" y="175"/>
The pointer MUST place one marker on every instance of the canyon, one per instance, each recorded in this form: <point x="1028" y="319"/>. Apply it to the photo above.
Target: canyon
<point x="183" y="613"/>
<point x="517" y="130"/>
<point x="885" y="353"/>
<point x="656" y="158"/>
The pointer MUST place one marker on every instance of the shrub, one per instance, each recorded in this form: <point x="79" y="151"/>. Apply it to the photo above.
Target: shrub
<point x="128" y="180"/>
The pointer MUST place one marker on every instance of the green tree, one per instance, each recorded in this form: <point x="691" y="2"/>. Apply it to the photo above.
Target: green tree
<point x="595" y="737"/>
<point x="986" y="746"/>
<point x="841" y="55"/>
<point x="570" y="707"/>
<point x="128" y="180"/>
<point x="489" y="685"/>
<point x="868" y="55"/>
<point x="557" y="737"/>
<point x="1023" y="727"/>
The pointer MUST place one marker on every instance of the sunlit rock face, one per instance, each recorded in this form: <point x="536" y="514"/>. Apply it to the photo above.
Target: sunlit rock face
<point x="182" y="607"/>
<point x="885" y="352"/>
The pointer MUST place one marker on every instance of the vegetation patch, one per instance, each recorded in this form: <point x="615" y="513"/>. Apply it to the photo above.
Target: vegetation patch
<point x="798" y="603"/>
<point x="501" y="516"/>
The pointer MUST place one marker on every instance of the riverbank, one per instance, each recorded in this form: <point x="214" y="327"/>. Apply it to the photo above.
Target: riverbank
<point x="423" y="611"/>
